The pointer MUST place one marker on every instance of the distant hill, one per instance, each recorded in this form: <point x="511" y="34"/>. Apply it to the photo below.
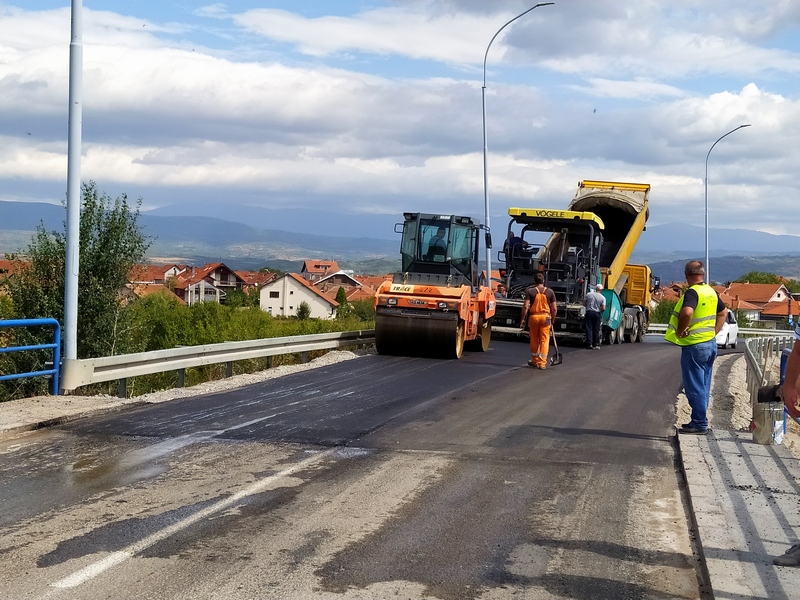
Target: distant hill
<point x="204" y="239"/>
<point x="730" y="268"/>
<point x="303" y="221"/>
<point x="690" y="240"/>
<point x="251" y="238"/>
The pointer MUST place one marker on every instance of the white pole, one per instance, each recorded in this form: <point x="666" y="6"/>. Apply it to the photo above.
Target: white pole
<point x="73" y="185"/>
<point x="485" y="146"/>
<point x="708" y="277"/>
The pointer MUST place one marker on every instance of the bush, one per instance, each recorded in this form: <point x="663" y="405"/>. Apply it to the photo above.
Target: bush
<point x="663" y="311"/>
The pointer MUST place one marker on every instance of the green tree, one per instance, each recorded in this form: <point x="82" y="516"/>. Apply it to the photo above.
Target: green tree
<point x="236" y="298"/>
<point x="254" y="296"/>
<point x="160" y="321"/>
<point x="663" y="311"/>
<point x="303" y="311"/>
<point x="110" y="244"/>
<point x="344" y="310"/>
<point x="759" y="277"/>
<point x="364" y="310"/>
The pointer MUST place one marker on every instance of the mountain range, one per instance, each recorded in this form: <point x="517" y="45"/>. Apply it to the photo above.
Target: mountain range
<point x="247" y="237"/>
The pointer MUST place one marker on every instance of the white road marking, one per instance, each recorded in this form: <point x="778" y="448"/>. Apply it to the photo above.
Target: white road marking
<point x="96" y="568"/>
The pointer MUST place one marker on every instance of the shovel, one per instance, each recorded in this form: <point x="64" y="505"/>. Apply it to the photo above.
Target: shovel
<point x="555" y="359"/>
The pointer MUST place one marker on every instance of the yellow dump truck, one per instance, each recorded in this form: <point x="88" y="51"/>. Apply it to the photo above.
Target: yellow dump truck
<point x="589" y="243"/>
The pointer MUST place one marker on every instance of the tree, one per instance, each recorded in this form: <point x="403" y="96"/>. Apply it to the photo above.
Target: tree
<point x="111" y="243"/>
<point x="303" y="311"/>
<point x="663" y="311"/>
<point x="759" y="277"/>
<point x="236" y="298"/>
<point x="343" y="311"/>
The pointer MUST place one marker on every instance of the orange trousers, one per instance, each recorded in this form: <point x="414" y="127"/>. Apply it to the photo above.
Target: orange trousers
<point x="539" y="332"/>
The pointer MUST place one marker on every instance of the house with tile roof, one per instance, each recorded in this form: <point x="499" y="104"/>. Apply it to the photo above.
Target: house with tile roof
<point x="7" y="267"/>
<point x="155" y="274"/>
<point x="759" y="294"/>
<point x="211" y="283"/>
<point x="761" y="301"/>
<point x="314" y="270"/>
<point x="778" y="311"/>
<point x="282" y="297"/>
<point x="254" y="279"/>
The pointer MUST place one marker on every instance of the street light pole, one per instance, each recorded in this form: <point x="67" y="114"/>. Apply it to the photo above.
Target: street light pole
<point x="708" y="277"/>
<point x="485" y="147"/>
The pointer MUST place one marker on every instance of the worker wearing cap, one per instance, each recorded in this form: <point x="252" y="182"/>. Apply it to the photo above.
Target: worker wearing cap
<point x="595" y="304"/>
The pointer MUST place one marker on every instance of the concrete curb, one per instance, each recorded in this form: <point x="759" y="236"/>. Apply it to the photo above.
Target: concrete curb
<point x="745" y="498"/>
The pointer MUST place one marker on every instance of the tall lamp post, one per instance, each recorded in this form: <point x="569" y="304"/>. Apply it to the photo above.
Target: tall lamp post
<point x="485" y="149"/>
<point x="708" y="277"/>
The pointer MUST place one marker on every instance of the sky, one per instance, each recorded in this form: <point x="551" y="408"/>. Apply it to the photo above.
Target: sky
<point x="376" y="107"/>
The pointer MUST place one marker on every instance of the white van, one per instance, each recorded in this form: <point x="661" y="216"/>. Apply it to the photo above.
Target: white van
<point x="728" y="336"/>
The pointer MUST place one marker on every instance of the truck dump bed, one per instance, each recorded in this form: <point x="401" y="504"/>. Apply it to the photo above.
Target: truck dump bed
<point x="624" y="211"/>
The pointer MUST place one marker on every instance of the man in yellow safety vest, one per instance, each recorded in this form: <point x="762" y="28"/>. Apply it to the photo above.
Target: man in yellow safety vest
<point x="694" y="324"/>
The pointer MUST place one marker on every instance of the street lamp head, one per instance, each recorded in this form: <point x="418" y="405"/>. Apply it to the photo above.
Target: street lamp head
<point x="705" y="186"/>
<point x="485" y="147"/>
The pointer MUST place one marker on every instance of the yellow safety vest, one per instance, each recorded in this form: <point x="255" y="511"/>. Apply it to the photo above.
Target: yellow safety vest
<point x="703" y="324"/>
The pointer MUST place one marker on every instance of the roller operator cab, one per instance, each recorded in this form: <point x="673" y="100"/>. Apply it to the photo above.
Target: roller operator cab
<point x="437" y="304"/>
<point x="575" y="249"/>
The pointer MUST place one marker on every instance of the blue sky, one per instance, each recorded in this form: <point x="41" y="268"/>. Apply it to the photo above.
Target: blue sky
<point x="375" y="107"/>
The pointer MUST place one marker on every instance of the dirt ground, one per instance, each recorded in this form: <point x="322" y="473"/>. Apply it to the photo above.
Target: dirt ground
<point x="730" y="407"/>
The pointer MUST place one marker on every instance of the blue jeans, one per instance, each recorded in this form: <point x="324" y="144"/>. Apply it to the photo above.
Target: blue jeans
<point x="592" y="321"/>
<point x="697" y="362"/>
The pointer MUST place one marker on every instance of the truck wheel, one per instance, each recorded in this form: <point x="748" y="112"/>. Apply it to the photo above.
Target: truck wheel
<point x="631" y="337"/>
<point x="610" y="337"/>
<point x="642" y="330"/>
<point x="621" y="331"/>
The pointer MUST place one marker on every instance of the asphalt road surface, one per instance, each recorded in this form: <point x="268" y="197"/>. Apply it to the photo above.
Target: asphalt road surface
<point x="379" y="477"/>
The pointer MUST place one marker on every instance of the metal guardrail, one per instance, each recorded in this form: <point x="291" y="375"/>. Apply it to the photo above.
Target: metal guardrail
<point x="77" y="373"/>
<point x="743" y="331"/>
<point x="761" y="354"/>
<point x="55" y="347"/>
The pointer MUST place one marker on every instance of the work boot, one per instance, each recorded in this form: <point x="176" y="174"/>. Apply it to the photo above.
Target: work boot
<point x="790" y="558"/>
<point x="691" y="429"/>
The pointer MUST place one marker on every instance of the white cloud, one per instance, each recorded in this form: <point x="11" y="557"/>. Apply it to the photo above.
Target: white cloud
<point x="634" y="91"/>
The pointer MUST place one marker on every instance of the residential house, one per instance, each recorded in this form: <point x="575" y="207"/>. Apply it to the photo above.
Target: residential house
<point x="330" y="284"/>
<point x="254" y="279"/>
<point x="282" y="297"/>
<point x="7" y="267"/>
<point x="778" y="311"/>
<point x="211" y="283"/>
<point x="314" y="270"/>
<point x="155" y="274"/>
<point x="762" y="300"/>
<point x="750" y="311"/>
<point x="368" y="288"/>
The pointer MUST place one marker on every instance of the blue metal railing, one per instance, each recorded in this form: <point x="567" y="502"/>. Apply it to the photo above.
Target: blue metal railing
<point x="55" y="346"/>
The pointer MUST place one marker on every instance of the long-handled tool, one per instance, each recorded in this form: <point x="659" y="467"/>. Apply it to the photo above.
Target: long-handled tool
<point x="555" y="359"/>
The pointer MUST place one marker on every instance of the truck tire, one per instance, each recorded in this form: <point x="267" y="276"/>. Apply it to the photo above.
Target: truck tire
<point x="642" y="329"/>
<point x="621" y="331"/>
<point x="634" y="333"/>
